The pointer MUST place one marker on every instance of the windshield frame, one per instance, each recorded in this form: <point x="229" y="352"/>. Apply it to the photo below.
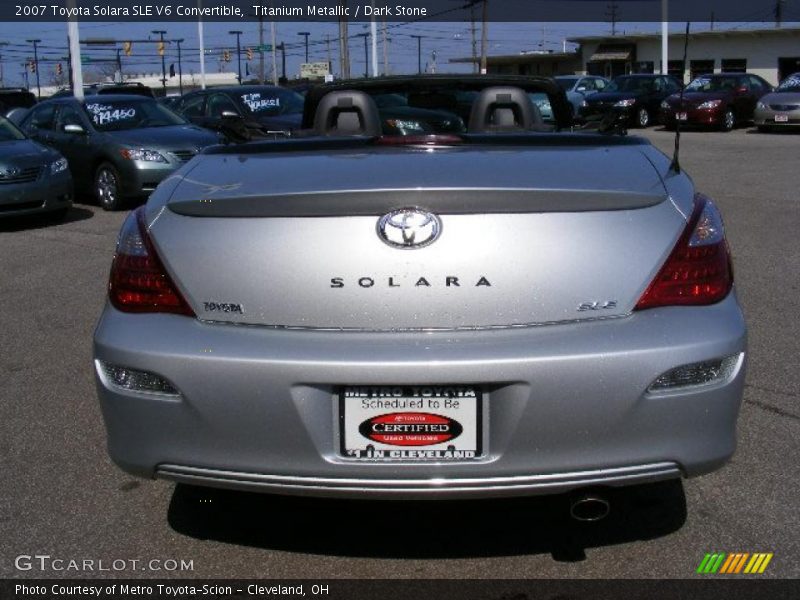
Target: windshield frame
<point x="8" y="125"/>
<point x="614" y="88"/>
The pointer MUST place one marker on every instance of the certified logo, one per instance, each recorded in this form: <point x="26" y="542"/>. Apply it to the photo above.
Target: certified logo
<point x="410" y="429"/>
<point x="409" y="228"/>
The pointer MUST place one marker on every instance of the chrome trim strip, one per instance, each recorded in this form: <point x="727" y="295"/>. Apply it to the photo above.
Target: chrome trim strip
<point x="435" y="486"/>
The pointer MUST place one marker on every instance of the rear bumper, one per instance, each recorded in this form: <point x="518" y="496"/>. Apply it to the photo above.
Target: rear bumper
<point x="565" y="405"/>
<point x="694" y="117"/>
<point x="481" y="487"/>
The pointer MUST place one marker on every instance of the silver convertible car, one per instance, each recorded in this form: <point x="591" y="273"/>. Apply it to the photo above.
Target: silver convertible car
<point x="519" y="309"/>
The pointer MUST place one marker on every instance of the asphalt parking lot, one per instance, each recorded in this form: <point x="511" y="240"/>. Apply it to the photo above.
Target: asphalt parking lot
<point x="61" y="496"/>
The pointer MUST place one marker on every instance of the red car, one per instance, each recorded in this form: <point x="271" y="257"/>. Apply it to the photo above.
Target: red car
<point x="722" y="101"/>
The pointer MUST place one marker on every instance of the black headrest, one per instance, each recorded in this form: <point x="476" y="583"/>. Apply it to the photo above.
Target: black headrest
<point x="503" y="109"/>
<point x="347" y="112"/>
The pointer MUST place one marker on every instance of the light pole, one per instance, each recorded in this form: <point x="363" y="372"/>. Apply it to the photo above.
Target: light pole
<point x="161" y="32"/>
<point x="36" y="66"/>
<point x="419" y="52"/>
<point x="282" y="48"/>
<point x="1" y="63"/>
<point x="305" y="34"/>
<point x="238" y="54"/>
<point x="366" y="53"/>
<point x="180" y="67"/>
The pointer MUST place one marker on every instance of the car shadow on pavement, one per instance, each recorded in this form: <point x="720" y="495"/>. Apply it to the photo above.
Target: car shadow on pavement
<point x="43" y="221"/>
<point x="425" y="529"/>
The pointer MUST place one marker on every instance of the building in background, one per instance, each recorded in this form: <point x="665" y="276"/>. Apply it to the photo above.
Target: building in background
<point x="547" y="64"/>
<point x="771" y="53"/>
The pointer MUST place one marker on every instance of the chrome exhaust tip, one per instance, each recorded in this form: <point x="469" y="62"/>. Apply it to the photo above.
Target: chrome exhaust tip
<point x="589" y="508"/>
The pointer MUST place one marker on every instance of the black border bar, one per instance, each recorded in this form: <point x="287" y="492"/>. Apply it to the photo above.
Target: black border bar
<point x="708" y="587"/>
<point x="394" y="11"/>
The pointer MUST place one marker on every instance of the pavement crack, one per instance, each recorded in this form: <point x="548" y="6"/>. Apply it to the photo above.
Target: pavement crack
<point x="773" y="409"/>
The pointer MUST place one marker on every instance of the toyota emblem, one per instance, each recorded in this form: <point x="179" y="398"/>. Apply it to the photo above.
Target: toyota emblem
<point x="409" y="228"/>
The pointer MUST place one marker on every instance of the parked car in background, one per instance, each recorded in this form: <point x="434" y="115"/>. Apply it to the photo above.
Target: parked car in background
<point x="170" y="102"/>
<point x="781" y="108"/>
<point x="720" y="100"/>
<point x="269" y="107"/>
<point x="637" y="98"/>
<point x="33" y="177"/>
<point x="580" y="87"/>
<point x="118" y="147"/>
<point x="398" y="117"/>
<point x="101" y="89"/>
<point x="11" y="98"/>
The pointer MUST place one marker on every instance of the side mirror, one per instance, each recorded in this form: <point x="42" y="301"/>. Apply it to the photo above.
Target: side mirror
<point x="229" y="114"/>
<point x="581" y="89"/>
<point x="74" y="128"/>
<point x="742" y="89"/>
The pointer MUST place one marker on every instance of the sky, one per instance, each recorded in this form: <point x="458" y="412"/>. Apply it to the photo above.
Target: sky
<point x="446" y="39"/>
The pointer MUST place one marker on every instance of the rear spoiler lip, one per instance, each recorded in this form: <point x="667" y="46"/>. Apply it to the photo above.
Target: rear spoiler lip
<point x="443" y="201"/>
<point x="522" y="139"/>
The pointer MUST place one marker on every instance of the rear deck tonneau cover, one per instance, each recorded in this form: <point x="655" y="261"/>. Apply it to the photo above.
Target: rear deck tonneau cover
<point x="370" y="180"/>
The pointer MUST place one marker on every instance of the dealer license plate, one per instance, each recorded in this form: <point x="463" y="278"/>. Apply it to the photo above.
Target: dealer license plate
<point x="682" y="116"/>
<point x="781" y="118"/>
<point x="410" y="423"/>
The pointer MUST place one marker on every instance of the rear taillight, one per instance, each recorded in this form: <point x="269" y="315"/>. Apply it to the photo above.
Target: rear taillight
<point x="698" y="270"/>
<point x="139" y="283"/>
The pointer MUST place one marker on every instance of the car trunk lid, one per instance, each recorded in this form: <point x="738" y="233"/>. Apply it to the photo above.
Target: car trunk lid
<point x="291" y="240"/>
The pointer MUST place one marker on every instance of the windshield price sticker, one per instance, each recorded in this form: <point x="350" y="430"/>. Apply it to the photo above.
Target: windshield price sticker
<point x="791" y="82"/>
<point x="416" y="423"/>
<point x="102" y="114"/>
<point x="256" y="103"/>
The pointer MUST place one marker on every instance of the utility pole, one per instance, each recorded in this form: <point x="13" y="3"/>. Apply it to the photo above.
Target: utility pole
<point x="274" y="38"/>
<point x="778" y="13"/>
<point x="344" y="43"/>
<point x="180" y="67"/>
<point x="261" y="49"/>
<point x="238" y="35"/>
<point x="612" y="15"/>
<point x="484" y="36"/>
<point x="1" y="64"/>
<point x="201" y="39"/>
<point x="119" y="64"/>
<point x="366" y="53"/>
<point x="419" y="53"/>
<point x="305" y="34"/>
<point x="161" y="32"/>
<point x="328" y="49"/>
<point x="385" y="50"/>
<point x="373" y="30"/>
<point x="282" y="48"/>
<point x="36" y="65"/>
<point x="76" y="69"/>
<point x="473" y="29"/>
